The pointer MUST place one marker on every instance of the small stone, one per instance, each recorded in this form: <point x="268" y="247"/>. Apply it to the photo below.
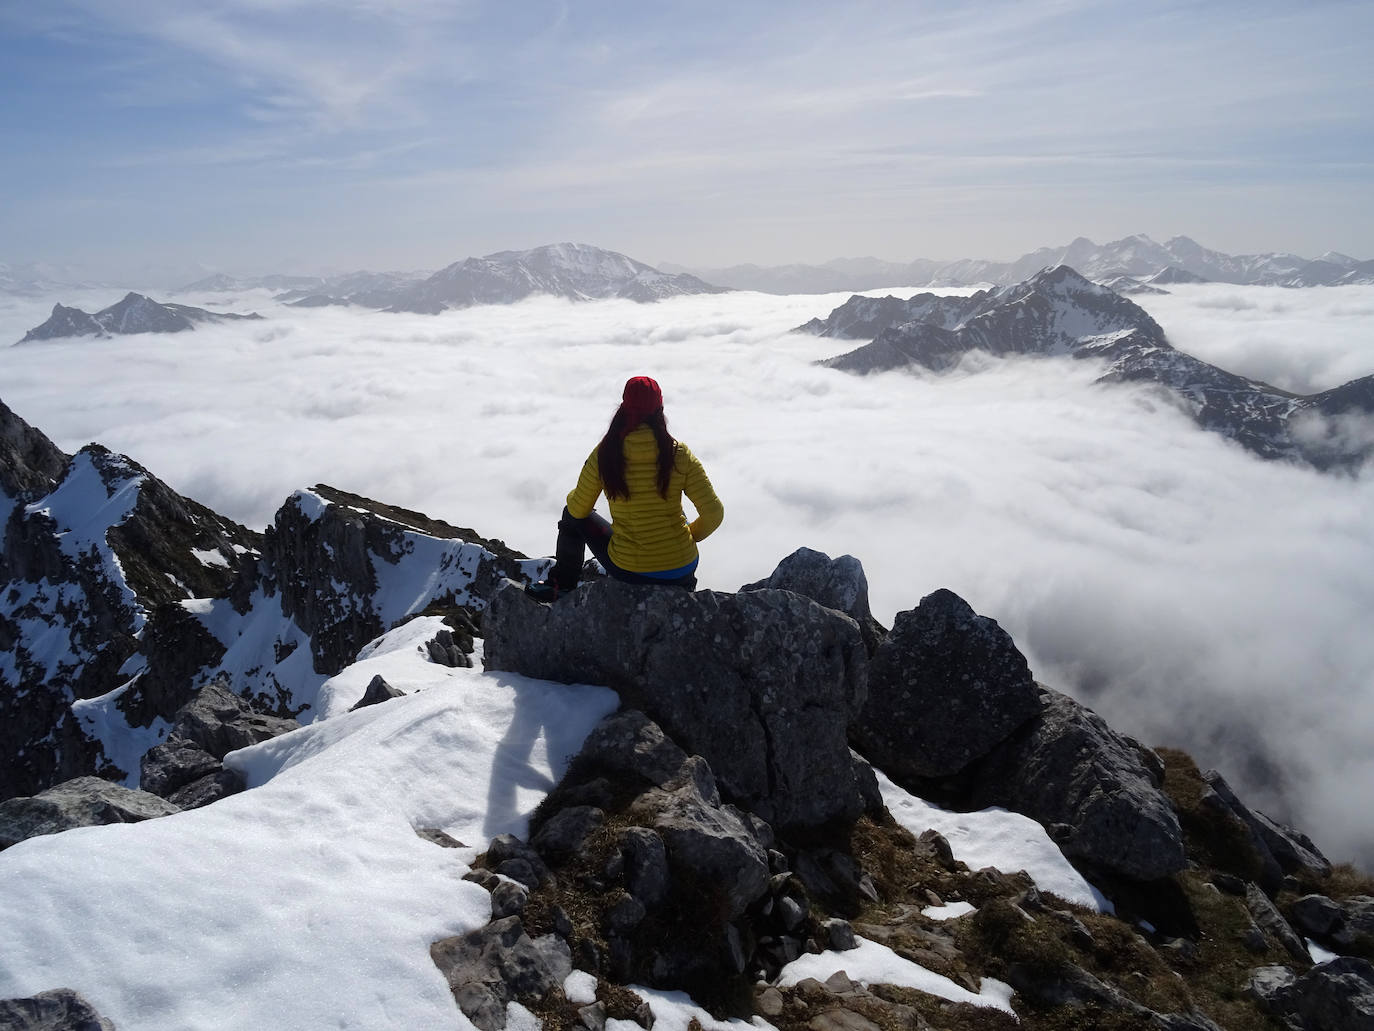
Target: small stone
<point x="439" y="837"/>
<point x="777" y="862"/>
<point x="508" y="899"/>
<point x="769" y="1002"/>
<point x="519" y="870"/>
<point x="839" y="983"/>
<point x="593" y="1017"/>
<point x="839" y="934"/>
<point x="791" y="912"/>
<point x="484" y="878"/>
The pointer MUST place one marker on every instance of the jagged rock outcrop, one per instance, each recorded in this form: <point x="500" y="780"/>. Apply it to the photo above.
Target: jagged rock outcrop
<point x="838" y="584"/>
<point x="1274" y="850"/>
<point x="188" y="767"/>
<point x="1097" y="792"/>
<point x="1057" y="312"/>
<point x="326" y="549"/>
<point x="762" y="684"/>
<point x="378" y="691"/>
<point x="30" y="463"/>
<point x="1334" y="996"/>
<point x="58" y="1010"/>
<point x="1346" y="926"/>
<point x="83" y="802"/>
<point x="945" y="687"/>
<point x="83" y="565"/>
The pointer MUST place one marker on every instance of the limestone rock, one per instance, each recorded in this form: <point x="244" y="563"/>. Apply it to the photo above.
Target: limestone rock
<point x="497" y="964"/>
<point x="839" y="584"/>
<point x="219" y="721"/>
<point x="84" y="802"/>
<point x="1334" y="995"/>
<point x="761" y="684"/>
<point x="1276" y="850"/>
<point x="944" y="688"/>
<point x="1068" y="768"/>
<point x="708" y="843"/>
<point x="1271" y="921"/>
<point x="1347" y="925"/>
<point x="447" y="650"/>
<point x="58" y="1010"/>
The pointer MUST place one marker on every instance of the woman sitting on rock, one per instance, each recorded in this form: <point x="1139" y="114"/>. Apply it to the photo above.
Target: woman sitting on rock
<point x="644" y="472"/>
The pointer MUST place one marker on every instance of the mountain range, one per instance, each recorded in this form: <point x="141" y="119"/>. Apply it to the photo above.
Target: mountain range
<point x="1177" y="260"/>
<point x="346" y="772"/>
<point x="1059" y="313"/>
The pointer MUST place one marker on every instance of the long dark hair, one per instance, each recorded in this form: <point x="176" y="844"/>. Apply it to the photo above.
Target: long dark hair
<point x="610" y="453"/>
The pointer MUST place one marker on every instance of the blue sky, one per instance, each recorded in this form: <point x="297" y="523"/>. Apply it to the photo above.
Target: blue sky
<point x="249" y="135"/>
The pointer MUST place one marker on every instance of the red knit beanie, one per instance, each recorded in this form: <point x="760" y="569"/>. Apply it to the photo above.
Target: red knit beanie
<point x="641" y="397"/>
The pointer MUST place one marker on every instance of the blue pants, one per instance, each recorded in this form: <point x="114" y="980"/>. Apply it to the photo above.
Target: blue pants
<point x="576" y="536"/>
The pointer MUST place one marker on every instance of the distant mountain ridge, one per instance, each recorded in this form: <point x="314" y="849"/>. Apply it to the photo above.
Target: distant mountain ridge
<point x="135" y="313"/>
<point x="1136" y="256"/>
<point x="576" y="271"/>
<point x="1059" y="313"/>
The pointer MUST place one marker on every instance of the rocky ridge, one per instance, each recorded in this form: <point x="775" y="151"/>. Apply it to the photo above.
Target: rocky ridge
<point x="1059" y="313"/>
<point x="728" y="820"/>
<point x="119" y="599"/>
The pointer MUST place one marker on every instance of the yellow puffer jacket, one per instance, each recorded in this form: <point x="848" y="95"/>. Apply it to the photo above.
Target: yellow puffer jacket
<point x="650" y="533"/>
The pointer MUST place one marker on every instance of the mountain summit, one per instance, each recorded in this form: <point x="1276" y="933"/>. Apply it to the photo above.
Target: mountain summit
<point x="572" y="270"/>
<point x="134" y="313"/>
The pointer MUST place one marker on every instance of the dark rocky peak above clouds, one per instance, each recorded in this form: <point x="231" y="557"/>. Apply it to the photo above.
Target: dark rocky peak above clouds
<point x="1059" y="313"/>
<point x="134" y="313"/>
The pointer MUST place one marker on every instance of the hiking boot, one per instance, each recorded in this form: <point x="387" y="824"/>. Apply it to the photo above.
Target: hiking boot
<point x="543" y="590"/>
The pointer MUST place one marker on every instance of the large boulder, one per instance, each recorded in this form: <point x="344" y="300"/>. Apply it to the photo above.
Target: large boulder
<point x="761" y="684"/>
<point x="1098" y="792"/>
<point x="83" y="802"/>
<point x="836" y="583"/>
<point x="944" y="688"/>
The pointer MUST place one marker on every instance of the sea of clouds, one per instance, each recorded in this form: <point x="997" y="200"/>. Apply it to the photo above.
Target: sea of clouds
<point x="1194" y="594"/>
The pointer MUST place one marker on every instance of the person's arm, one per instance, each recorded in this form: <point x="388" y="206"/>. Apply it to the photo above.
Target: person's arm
<point x="710" y="512"/>
<point x="583" y="497"/>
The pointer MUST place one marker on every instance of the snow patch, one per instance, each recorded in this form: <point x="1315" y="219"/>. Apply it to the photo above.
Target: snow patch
<point x="999" y="838"/>
<point x="209" y="557"/>
<point x="951" y="911"/>
<point x="102" y="720"/>
<point x="871" y="963"/>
